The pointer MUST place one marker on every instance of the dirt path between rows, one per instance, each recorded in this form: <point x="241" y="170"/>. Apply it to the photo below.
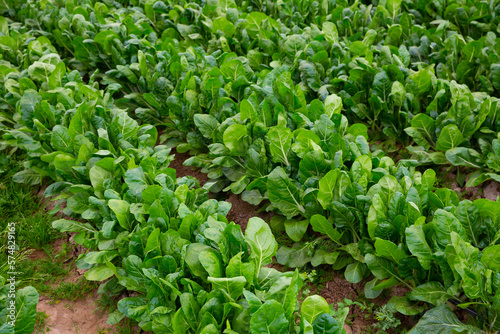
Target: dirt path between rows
<point x="71" y="316"/>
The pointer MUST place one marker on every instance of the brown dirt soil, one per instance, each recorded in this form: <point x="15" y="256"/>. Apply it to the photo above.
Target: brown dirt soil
<point x="38" y="254"/>
<point x="68" y="317"/>
<point x="182" y="170"/>
<point x="242" y="211"/>
<point x="489" y="189"/>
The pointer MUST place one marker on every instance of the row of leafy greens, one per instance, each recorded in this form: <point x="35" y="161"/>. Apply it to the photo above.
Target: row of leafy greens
<point x="150" y="233"/>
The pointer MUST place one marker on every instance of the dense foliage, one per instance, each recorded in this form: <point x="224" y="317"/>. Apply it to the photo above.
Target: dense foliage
<point x="278" y="102"/>
<point x="162" y="238"/>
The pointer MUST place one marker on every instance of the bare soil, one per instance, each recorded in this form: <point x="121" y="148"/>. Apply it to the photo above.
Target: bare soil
<point x="489" y="189"/>
<point x="240" y="212"/>
<point x="68" y="316"/>
<point x="182" y="170"/>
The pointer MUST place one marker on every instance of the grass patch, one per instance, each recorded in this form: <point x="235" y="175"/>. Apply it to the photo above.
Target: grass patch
<point x="41" y="326"/>
<point x="20" y="204"/>
<point x="80" y="289"/>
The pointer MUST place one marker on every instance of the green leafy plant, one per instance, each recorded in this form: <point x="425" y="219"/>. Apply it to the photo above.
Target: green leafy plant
<point x="22" y="319"/>
<point x="385" y="318"/>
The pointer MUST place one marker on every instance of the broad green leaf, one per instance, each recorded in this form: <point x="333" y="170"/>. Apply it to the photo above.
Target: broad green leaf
<point x="405" y="306"/>
<point x="269" y="318"/>
<point x="418" y="246"/>
<point x="232" y="286"/>
<point x="450" y="137"/>
<point x="330" y="31"/>
<point x="99" y="273"/>
<point x="393" y="7"/>
<point x="236" y="268"/>
<point x="321" y="225"/>
<point x="284" y="193"/>
<point x="421" y="81"/>
<point x="222" y="24"/>
<point x="296" y="229"/>
<point x="97" y="177"/>
<point x="212" y="263"/>
<point x="262" y="244"/>
<point x="380" y="268"/>
<point x="468" y="215"/>
<point x="430" y="292"/>
<point x="444" y="223"/>
<point x="491" y="257"/>
<point x="290" y="300"/>
<point x="122" y="212"/>
<point x="207" y="124"/>
<point x="25" y="305"/>
<point x="310" y="75"/>
<point x="27" y="176"/>
<point x="333" y="105"/>
<point x="235" y="138"/>
<point x="441" y="320"/>
<point x="331" y="187"/>
<point x="254" y="24"/>
<point x="326" y="324"/>
<point x="40" y="71"/>
<point x="124" y="125"/>
<point x="355" y="272"/>
<point x="461" y="156"/>
<point x="64" y="225"/>
<point x="280" y="142"/>
<point x="312" y="307"/>
<point x="369" y="292"/>
<point x="300" y="254"/>
<point x="192" y="259"/>
<point x="389" y="250"/>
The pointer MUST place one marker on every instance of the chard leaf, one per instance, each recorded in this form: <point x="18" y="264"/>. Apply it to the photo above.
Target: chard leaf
<point x="269" y="318"/>
<point x="284" y="194"/>
<point x="262" y="244"/>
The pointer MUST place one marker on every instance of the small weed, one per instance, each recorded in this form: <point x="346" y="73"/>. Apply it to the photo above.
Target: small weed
<point x="385" y="318"/>
<point x="126" y="326"/>
<point x="104" y="304"/>
<point x="364" y="305"/>
<point x="41" y="326"/>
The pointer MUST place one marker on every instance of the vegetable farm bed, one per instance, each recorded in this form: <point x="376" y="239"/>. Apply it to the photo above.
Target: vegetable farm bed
<point x="250" y="166"/>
